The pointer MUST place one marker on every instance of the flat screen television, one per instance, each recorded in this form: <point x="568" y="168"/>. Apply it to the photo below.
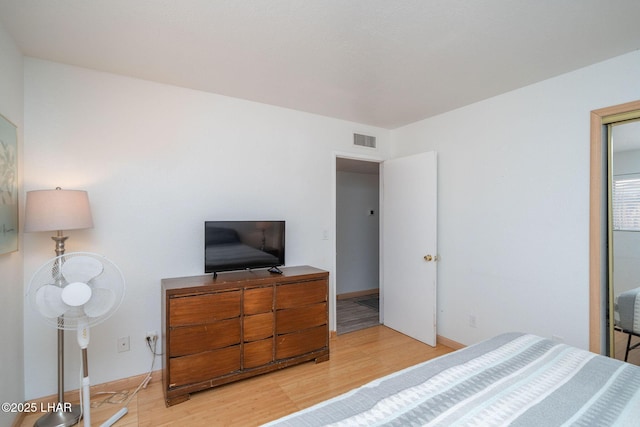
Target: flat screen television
<point x="241" y="245"/>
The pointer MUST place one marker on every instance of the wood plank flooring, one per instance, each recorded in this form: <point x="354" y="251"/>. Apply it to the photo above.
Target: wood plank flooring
<point x="356" y="358"/>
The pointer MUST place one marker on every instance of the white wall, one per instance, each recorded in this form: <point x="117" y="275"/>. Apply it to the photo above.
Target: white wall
<point x="157" y="161"/>
<point x="513" y="204"/>
<point x="11" y="315"/>
<point x="357" y="232"/>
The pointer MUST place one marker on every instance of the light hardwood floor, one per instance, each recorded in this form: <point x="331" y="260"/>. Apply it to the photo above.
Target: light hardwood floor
<point x="356" y="358"/>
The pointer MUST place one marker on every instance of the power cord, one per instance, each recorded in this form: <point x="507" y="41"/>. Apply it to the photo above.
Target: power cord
<point x="113" y="397"/>
<point x="125" y="397"/>
<point x="153" y="341"/>
<point x="146" y="379"/>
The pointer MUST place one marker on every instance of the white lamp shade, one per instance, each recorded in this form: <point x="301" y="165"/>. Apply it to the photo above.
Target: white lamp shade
<point x="53" y="210"/>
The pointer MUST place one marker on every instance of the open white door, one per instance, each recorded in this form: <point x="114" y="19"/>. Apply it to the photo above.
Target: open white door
<point x="409" y="251"/>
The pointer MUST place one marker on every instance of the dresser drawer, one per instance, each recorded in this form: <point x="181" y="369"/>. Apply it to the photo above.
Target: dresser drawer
<point x="295" y="319"/>
<point x="258" y="353"/>
<point x="258" y="300"/>
<point x="204" y="337"/>
<point x="205" y="308"/>
<point x="258" y="326"/>
<point x="300" y="294"/>
<point x="203" y="366"/>
<point x="299" y="343"/>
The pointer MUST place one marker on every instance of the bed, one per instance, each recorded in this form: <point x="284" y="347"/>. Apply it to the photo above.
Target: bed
<point x="512" y="379"/>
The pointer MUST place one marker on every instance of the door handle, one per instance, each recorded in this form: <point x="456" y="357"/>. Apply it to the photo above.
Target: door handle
<point x="430" y="258"/>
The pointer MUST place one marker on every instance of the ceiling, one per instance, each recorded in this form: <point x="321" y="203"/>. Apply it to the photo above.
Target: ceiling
<point x="378" y="62"/>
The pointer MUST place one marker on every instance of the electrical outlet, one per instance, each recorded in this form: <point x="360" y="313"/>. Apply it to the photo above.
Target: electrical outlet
<point x="124" y="344"/>
<point x="151" y="335"/>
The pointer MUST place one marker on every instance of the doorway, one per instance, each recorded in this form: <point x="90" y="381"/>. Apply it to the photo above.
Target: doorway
<point x="357" y="244"/>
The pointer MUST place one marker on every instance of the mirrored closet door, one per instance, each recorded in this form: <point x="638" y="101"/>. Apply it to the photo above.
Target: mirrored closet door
<point x="624" y="238"/>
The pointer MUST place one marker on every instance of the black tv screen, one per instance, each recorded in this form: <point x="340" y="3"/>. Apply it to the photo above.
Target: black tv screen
<point x="240" y="245"/>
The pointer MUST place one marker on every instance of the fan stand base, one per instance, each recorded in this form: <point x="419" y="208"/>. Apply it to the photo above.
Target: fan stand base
<point x="61" y="418"/>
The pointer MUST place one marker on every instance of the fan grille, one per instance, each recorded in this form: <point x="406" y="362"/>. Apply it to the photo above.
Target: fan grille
<point x="95" y="273"/>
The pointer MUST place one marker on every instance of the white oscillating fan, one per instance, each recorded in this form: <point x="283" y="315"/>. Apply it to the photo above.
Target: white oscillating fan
<point x="76" y="291"/>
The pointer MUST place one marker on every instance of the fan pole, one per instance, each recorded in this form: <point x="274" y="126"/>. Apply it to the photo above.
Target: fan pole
<point x="86" y="394"/>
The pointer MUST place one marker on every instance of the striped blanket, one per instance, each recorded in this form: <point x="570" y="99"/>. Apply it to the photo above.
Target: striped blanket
<point x="512" y="379"/>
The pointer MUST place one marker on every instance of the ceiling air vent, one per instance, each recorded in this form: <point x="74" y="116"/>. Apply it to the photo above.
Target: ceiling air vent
<point x="364" y="140"/>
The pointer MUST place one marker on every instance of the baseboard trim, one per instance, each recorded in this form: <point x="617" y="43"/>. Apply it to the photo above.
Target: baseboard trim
<point x="449" y="342"/>
<point x="375" y="291"/>
<point x="116" y="385"/>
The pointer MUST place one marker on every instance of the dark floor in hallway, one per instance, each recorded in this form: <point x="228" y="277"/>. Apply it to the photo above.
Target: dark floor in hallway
<point x="357" y="313"/>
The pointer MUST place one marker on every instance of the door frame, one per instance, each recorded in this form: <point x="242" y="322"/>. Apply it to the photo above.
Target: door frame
<point x="333" y="287"/>
<point x="597" y="222"/>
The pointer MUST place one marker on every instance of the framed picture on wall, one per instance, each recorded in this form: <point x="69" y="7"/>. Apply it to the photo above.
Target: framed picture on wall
<point x="8" y="186"/>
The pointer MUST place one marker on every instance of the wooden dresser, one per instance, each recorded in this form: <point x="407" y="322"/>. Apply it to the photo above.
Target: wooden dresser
<point x="240" y="324"/>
